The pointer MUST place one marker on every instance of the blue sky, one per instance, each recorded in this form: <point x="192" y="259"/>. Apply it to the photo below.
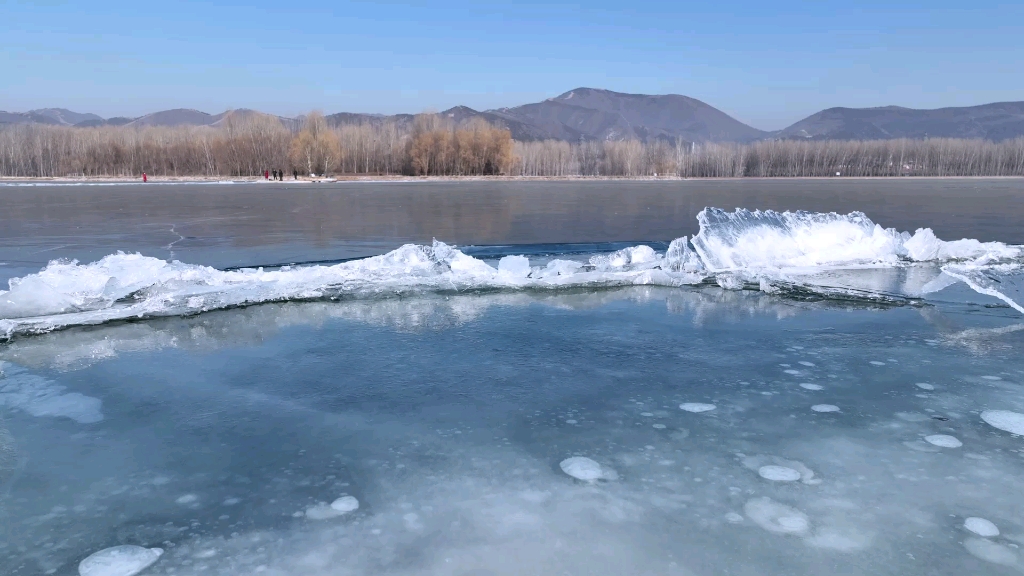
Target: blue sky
<point x="766" y="63"/>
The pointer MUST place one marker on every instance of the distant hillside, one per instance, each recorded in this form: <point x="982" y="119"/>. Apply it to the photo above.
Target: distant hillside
<point x="594" y="114"/>
<point x="998" y="121"/>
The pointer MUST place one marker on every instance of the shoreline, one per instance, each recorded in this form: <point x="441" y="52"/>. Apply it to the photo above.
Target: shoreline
<point x="97" y="180"/>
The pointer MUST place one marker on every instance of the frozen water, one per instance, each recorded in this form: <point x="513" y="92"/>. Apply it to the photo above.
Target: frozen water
<point x="443" y="392"/>
<point x="943" y="441"/>
<point x="696" y="407"/>
<point x="778" y="474"/>
<point x="825" y="408"/>
<point x="981" y="527"/>
<point x="788" y="252"/>
<point x="1005" y="420"/>
<point x="990" y="551"/>
<point x="776" y="517"/>
<point x="582" y="468"/>
<point x="124" y="560"/>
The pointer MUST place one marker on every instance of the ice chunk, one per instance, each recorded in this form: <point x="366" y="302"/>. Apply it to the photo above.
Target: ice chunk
<point x="124" y="560"/>
<point x="778" y="473"/>
<point x="981" y="527"/>
<point x="943" y="441"/>
<point x="582" y="468"/>
<point x="1004" y="420"/>
<point x="514" y="266"/>
<point x="776" y="517"/>
<point x="696" y="407"/>
<point x="825" y="408"/>
<point x="345" y="504"/>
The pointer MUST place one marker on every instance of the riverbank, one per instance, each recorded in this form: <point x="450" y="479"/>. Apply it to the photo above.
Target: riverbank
<point x="402" y="178"/>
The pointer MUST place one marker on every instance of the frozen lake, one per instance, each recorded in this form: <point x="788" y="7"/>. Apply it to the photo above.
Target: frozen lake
<point x="572" y="390"/>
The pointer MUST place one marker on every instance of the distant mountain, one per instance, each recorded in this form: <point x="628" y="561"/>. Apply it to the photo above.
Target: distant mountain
<point x="65" y="117"/>
<point x="589" y="113"/>
<point x="594" y="114"/>
<point x="998" y="121"/>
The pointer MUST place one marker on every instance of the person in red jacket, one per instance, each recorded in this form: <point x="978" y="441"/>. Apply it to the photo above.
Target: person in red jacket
<point x="266" y="174"/>
<point x="144" y="179"/>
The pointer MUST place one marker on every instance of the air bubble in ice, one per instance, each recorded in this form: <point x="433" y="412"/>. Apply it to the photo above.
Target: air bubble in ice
<point x="792" y="372"/>
<point x="187" y="499"/>
<point x="877" y="363"/>
<point x="825" y="408"/>
<point x="696" y="407"/>
<point x="778" y="473"/>
<point x="124" y="560"/>
<point x="992" y="377"/>
<point x="776" y="517"/>
<point x="582" y="468"/>
<point x="658" y="426"/>
<point x="345" y="504"/>
<point x="981" y="527"/>
<point x="812" y="386"/>
<point x="806" y="363"/>
<point x="734" y="518"/>
<point x="943" y="441"/>
<point x="1004" y="420"/>
<point x="924" y="386"/>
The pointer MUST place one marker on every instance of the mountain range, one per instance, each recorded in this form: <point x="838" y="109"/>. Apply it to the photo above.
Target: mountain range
<point x="594" y="114"/>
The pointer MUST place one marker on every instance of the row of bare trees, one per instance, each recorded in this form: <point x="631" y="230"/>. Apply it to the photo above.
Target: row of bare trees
<point x="247" y="144"/>
<point x="773" y="158"/>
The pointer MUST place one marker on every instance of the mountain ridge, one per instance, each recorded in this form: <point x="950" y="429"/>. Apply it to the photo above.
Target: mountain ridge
<point x="598" y="114"/>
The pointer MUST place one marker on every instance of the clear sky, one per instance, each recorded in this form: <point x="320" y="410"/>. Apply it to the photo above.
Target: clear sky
<point x="766" y="63"/>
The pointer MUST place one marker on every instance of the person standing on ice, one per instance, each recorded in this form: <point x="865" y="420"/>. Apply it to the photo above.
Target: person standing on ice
<point x="266" y="174"/>
<point x="144" y="179"/>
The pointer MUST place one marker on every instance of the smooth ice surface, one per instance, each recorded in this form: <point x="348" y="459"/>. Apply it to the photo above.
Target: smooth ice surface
<point x="778" y="473"/>
<point x="943" y="441"/>
<point x="582" y="468"/>
<point x="981" y="527"/>
<point x="1005" y="420"/>
<point x="124" y="560"/>
<point x="825" y="408"/>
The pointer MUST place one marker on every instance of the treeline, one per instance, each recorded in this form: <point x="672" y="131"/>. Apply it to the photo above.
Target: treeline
<point x="247" y="144"/>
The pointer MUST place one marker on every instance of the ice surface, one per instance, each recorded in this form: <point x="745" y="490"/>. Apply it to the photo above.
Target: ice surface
<point x="796" y="253"/>
<point x="124" y="560"/>
<point x="981" y="527"/>
<point x="1005" y="420"/>
<point x="696" y="407"/>
<point x="943" y="441"/>
<point x="39" y="396"/>
<point x="990" y="551"/>
<point x="776" y="517"/>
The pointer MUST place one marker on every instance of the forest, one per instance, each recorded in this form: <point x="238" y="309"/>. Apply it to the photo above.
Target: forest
<point x="244" y="145"/>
